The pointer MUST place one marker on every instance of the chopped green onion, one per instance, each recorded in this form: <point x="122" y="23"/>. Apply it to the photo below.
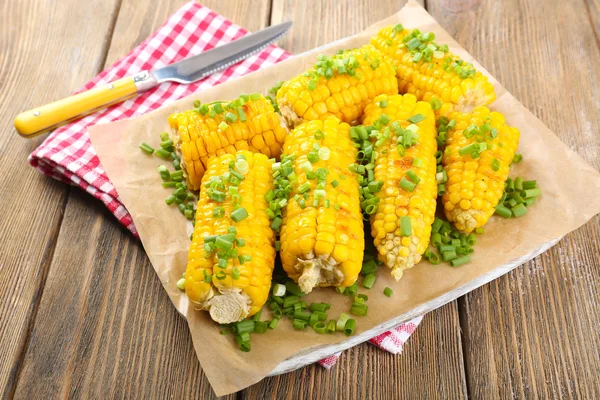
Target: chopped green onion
<point x="460" y="260"/>
<point x="479" y="231"/>
<point x="324" y="153"/>
<point x="322" y="307"/>
<point x="388" y="292"/>
<point x="517" y="158"/>
<point x="412" y="176"/>
<point x="245" y="326"/>
<point x="303" y="315"/>
<point x="369" y="281"/>
<point x="495" y="164"/>
<point x="416" y="118"/>
<point x="320" y="327"/>
<point x="407" y="185"/>
<point x="294" y="289"/>
<point x="529" y="185"/>
<point x="164" y="154"/>
<point x="276" y="223"/>
<point x="417" y="162"/>
<point x="436" y="104"/>
<point x="299" y="324"/>
<point x="341" y="322"/>
<point x="369" y="267"/>
<point x="405" y="226"/>
<point x="331" y="326"/>
<point x="146" y="148"/>
<point x="519" y="210"/>
<point x="239" y="214"/>
<point x="519" y="183"/>
<point x="352" y="289"/>
<point x="223" y="126"/>
<point x="503" y="211"/>
<point x="349" y="327"/>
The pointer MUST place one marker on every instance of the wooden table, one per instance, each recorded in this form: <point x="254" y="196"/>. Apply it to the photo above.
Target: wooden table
<point x="82" y="313"/>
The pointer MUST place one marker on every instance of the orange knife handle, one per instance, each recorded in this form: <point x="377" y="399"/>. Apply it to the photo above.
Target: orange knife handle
<point x="46" y="118"/>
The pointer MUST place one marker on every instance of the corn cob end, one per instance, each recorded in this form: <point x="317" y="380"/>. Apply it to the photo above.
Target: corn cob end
<point x="229" y="306"/>
<point x="318" y="271"/>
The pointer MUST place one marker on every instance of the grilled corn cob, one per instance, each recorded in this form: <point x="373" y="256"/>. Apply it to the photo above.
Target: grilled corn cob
<point x="428" y="70"/>
<point x="406" y="165"/>
<point x="247" y="123"/>
<point x="231" y="257"/>
<point x="476" y="159"/>
<point x="340" y="85"/>
<point x="322" y="238"/>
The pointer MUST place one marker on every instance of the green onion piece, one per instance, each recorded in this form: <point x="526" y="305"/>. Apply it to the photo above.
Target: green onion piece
<point x="529" y="201"/>
<point x="529" y="193"/>
<point x="388" y="292"/>
<point x="417" y="162"/>
<point x="434" y="258"/>
<point x="299" y="324"/>
<point x="340" y="289"/>
<point x="239" y="214"/>
<point x="313" y="319"/>
<point x="460" y="260"/>
<point x="244" y="344"/>
<point x="407" y="185"/>
<point x="519" y="183"/>
<point x="517" y="158"/>
<point x="479" y="231"/>
<point x="324" y="153"/>
<point x="273" y="323"/>
<point x="313" y="157"/>
<point x="405" y="226"/>
<point x="435" y="104"/>
<point x="235" y="273"/>
<point x="471" y="239"/>
<point x="384" y="119"/>
<point x="331" y="326"/>
<point x="164" y="154"/>
<point x="244" y="326"/>
<point x="352" y="290"/>
<point x="529" y="185"/>
<point x="303" y="315"/>
<point x="305" y="187"/>
<point x="319" y="327"/>
<point x="218" y="212"/>
<point x="166" y="144"/>
<point x="170" y="200"/>
<point x="261" y="327"/>
<point x="276" y="223"/>
<point x="189" y="214"/>
<point x="369" y="267"/>
<point x="169" y="185"/>
<point x="495" y="164"/>
<point x="223" y="126"/>
<point x="449" y="255"/>
<point x="230" y="117"/>
<point x="360" y="309"/>
<point x="519" y="210"/>
<point x="413" y="177"/>
<point x="468" y="149"/>
<point x="369" y="281"/>
<point x="503" y="211"/>
<point x="146" y="148"/>
<point x="341" y="322"/>
<point x="312" y="84"/>
<point x="349" y="327"/>
<point x="416" y="118"/>
<point x="293" y="288"/>
<point x="437" y="224"/>
<point x="278" y="290"/>
<point x="289" y="301"/>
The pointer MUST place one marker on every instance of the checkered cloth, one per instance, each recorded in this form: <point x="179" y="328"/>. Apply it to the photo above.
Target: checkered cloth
<point x="67" y="153"/>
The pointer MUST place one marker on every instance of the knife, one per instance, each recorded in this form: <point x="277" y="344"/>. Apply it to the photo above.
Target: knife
<point x="46" y="118"/>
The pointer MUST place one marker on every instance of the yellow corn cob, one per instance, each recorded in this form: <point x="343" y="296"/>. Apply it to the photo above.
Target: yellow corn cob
<point x="318" y="94"/>
<point x="396" y="251"/>
<point x="229" y="299"/>
<point x="320" y="245"/>
<point x="199" y="137"/>
<point x="437" y="73"/>
<point x="474" y="186"/>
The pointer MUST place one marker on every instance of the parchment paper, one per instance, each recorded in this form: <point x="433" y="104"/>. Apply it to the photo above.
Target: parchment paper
<point x="570" y="197"/>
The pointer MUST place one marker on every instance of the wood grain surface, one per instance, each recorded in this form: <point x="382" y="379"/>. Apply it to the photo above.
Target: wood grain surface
<point x="83" y="315"/>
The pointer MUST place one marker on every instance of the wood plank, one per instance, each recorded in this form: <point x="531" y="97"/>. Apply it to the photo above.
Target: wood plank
<point x="430" y="366"/>
<point x="40" y="61"/>
<point x="320" y="22"/>
<point x="533" y="333"/>
<point x="105" y="326"/>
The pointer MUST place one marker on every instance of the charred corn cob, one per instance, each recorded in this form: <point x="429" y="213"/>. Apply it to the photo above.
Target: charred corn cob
<point x="340" y="85"/>
<point x="404" y="130"/>
<point x="248" y="123"/>
<point x="428" y="70"/>
<point x="476" y="160"/>
<point x="322" y="238"/>
<point x="231" y="257"/>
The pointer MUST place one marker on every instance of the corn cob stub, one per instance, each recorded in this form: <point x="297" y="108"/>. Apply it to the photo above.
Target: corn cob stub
<point x="247" y="123"/>
<point x="232" y="254"/>
<point x="476" y="159"/>
<point x="404" y="135"/>
<point x="340" y="86"/>
<point x="428" y="70"/>
<point x="322" y="238"/>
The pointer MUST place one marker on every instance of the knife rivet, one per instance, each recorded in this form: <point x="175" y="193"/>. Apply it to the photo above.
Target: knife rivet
<point x="111" y="86"/>
<point x="36" y="113"/>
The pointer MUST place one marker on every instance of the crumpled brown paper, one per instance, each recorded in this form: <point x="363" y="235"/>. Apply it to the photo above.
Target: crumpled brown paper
<point x="571" y="196"/>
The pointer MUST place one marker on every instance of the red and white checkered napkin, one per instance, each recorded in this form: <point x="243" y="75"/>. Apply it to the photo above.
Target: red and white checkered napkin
<point x="67" y="154"/>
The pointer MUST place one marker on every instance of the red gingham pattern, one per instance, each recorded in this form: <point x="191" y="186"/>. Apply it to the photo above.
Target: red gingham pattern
<point x="67" y="153"/>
